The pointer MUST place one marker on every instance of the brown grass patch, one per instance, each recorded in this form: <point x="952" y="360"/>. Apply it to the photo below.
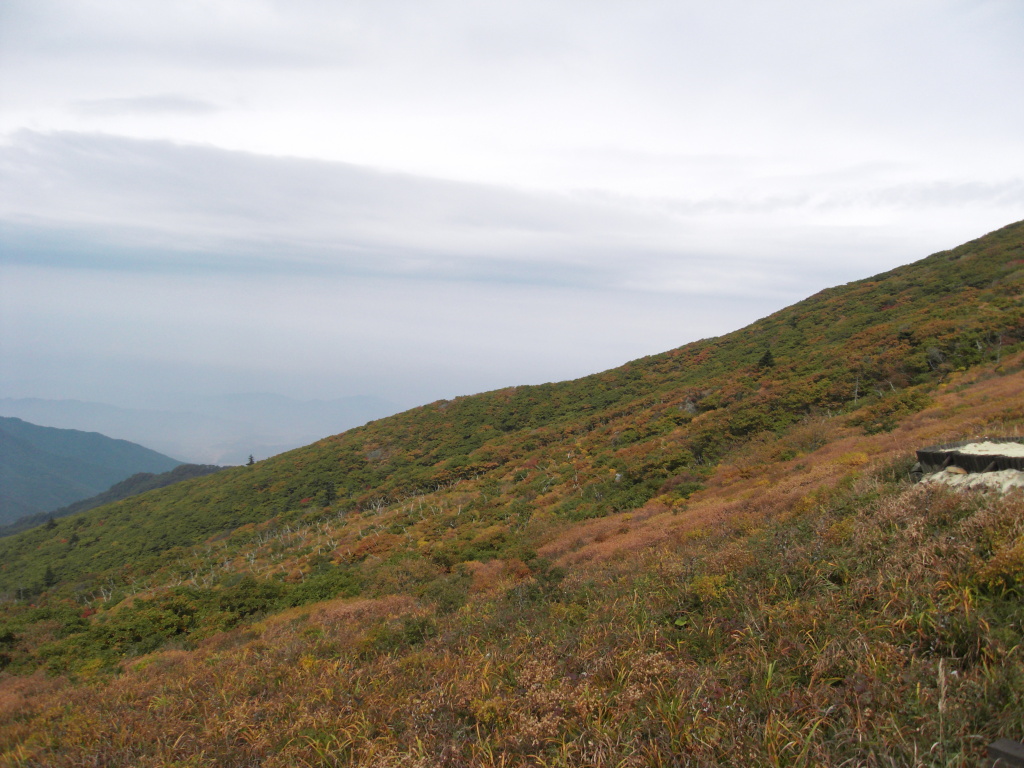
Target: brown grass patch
<point x="968" y="405"/>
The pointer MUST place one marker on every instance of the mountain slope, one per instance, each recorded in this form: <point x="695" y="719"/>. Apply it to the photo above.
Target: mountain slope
<point x="713" y="555"/>
<point x="43" y="468"/>
<point x="138" y="483"/>
<point x="652" y="428"/>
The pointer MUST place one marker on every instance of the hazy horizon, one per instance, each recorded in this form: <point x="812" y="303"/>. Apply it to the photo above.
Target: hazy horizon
<point x="415" y="201"/>
<point x="223" y="430"/>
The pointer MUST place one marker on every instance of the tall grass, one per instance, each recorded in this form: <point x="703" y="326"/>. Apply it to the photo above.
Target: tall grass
<point x="882" y="627"/>
<point x="807" y="607"/>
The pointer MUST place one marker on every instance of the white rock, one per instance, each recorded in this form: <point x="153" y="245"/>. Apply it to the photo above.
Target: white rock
<point x="988" y="448"/>
<point x="1003" y="480"/>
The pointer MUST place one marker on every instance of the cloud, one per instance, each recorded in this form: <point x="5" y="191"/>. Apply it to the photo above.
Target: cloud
<point x="105" y="201"/>
<point x="97" y="201"/>
<point x="1004" y="194"/>
<point x="559" y="94"/>
<point x="422" y="199"/>
<point x="146" y="105"/>
<point x="305" y="213"/>
<point x="219" y="35"/>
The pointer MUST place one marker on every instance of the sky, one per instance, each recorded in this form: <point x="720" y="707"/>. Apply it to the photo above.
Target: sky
<point x="419" y="199"/>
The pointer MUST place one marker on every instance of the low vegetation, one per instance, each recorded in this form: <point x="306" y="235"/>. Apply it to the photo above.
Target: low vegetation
<point x="140" y="482"/>
<point x="714" y="556"/>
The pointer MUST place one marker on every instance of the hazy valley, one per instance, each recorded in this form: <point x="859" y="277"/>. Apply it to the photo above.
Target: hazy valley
<point x="225" y="429"/>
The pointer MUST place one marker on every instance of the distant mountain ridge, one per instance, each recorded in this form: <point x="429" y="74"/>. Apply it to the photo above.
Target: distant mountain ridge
<point x="224" y="429"/>
<point x="44" y="468"/>
<point x="140" y="482"/>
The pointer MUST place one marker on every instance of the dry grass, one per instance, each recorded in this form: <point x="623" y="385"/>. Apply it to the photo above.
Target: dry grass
<point x="742" y="493"/>
<point x="828" y="616"/>
<point x="867" y="639"/>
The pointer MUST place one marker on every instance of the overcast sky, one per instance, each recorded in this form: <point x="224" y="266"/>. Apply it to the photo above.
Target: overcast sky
<point x="424" y="198"/>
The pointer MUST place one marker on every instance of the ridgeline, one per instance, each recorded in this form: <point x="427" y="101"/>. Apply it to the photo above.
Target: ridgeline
<point x="713" y="555"/>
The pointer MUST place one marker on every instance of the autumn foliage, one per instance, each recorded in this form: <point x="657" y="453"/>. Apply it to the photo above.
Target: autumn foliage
<point x="712" y="556"/>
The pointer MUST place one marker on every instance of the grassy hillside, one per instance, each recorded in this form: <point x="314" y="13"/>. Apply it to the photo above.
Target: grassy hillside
<point x="134" y="485"/>
<point x="43" y="468"/>
<point x="659" y="425"/>
<point x="712" y="553"/>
